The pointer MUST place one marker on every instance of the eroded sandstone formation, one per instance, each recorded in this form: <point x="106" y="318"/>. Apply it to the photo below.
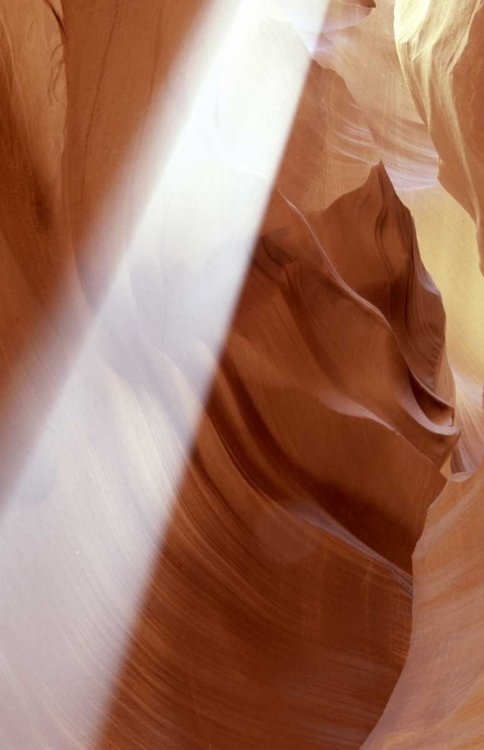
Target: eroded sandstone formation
<point x="242" y="444"/>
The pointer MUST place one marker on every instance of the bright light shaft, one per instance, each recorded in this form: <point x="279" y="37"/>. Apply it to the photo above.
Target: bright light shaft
<point x="83" y="526"/>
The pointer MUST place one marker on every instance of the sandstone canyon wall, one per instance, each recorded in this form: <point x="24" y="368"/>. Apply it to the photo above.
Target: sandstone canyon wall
<point x="241" y="330"/>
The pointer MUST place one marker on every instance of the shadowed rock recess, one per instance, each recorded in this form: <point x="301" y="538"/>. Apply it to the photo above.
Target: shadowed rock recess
<point x="242" y="429"/>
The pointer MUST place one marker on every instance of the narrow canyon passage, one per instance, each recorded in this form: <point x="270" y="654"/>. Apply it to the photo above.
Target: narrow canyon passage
<point x="242" y="368"/>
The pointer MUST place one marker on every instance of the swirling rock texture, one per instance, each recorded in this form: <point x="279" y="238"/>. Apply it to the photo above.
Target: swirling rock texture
<point x="317" y="581"/>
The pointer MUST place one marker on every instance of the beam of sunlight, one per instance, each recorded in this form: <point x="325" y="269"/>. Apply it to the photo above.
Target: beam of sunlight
<point x="84" y="523"/>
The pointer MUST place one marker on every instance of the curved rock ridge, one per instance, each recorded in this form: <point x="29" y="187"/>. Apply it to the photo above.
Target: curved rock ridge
<point x="440" y="50"/>
<point x="240" y="630"/>
<point x="365" y="56"/>
<point x="446" y="236"/>
<point x="437" y="701"/>
<point x="300" y="319"/>
<point x="329" y="136"/>
<point x="287" y="560"/>
<point x="386" y="269"/>
<point x="266" y="532"/>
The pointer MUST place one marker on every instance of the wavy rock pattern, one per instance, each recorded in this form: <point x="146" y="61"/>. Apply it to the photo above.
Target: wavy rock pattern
<point x="437" y="700"/>
<point x="330" y="134"/>
<point x="273" y="527"/>
<point x="366" y="57"/>
<point x="313" y="449"/>
<point x="440" y="53"/>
